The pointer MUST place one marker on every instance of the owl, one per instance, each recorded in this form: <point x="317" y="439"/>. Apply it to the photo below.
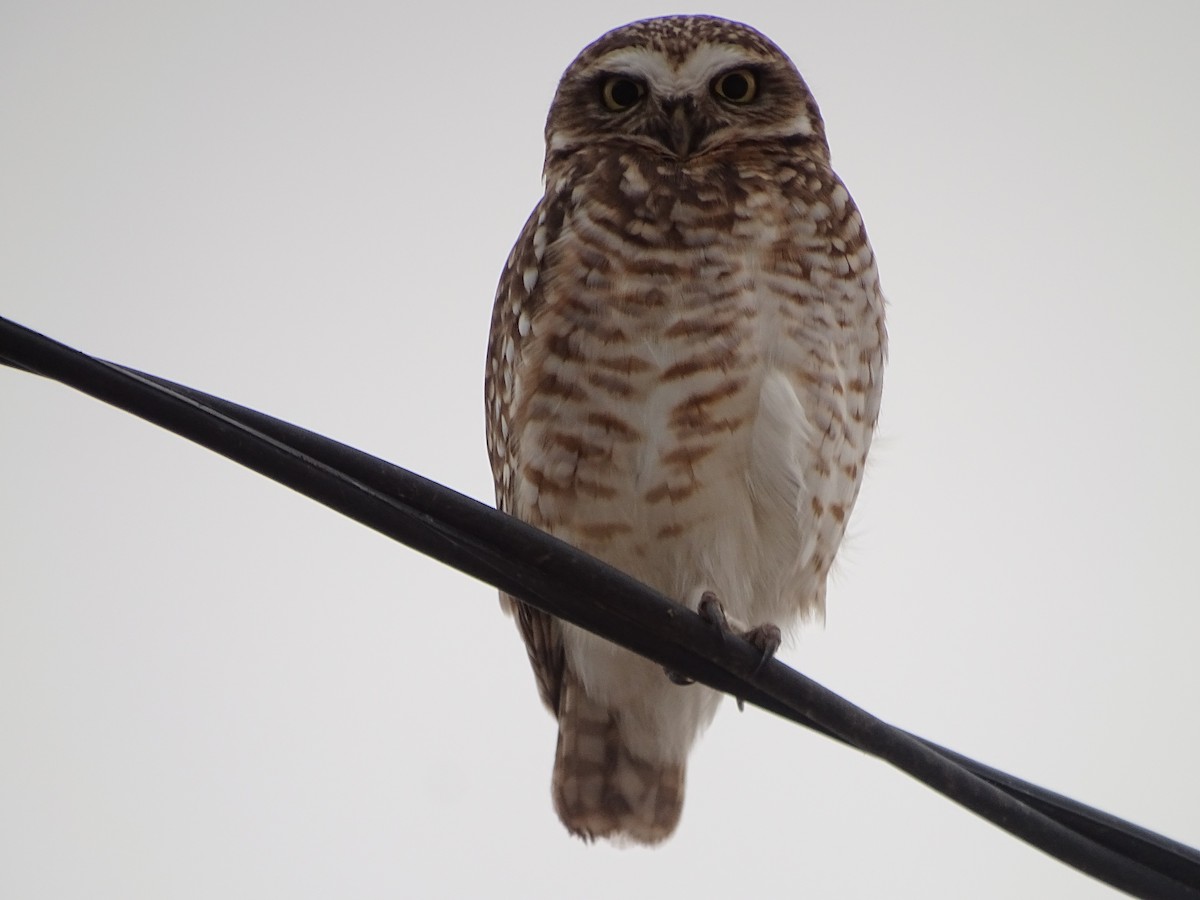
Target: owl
<point x="683" y="377"/>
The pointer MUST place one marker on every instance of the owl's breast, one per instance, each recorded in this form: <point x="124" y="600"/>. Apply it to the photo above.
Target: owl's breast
<point x="636" y="439"/>
<point x="632" y="402"/>
<point x="683" y="386"/>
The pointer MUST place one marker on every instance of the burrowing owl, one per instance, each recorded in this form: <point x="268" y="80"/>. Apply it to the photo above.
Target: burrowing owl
<point x="683" y="377"/>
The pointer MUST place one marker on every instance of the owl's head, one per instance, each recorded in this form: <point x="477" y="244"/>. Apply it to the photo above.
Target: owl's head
<point x="682" y="87"/>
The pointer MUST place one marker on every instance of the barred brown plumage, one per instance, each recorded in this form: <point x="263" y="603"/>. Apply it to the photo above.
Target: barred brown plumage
<point x="683" y="377"/>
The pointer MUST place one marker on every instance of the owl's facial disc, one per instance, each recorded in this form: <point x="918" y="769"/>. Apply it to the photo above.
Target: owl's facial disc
<point x="678" y="105"/>
<point x="682" y="99"/>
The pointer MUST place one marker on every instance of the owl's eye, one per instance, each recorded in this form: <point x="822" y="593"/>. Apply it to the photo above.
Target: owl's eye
<point x="736" y="86"/>
<point x="620" y="93"/>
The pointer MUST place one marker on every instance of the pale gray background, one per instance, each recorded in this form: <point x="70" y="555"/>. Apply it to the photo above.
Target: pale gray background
<point x="213" y="688"/>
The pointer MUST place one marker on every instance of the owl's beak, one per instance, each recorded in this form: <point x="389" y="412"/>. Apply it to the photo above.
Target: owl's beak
<point x="681" y="129"/>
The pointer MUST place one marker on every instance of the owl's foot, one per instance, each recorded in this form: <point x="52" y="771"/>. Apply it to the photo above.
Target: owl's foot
<point x="766" y="638"/>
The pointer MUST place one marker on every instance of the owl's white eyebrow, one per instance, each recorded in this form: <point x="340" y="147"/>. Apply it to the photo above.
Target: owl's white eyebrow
<point x="695" y="72"/>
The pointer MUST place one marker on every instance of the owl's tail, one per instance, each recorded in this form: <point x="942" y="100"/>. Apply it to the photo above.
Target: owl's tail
<point x="600" y="788"/>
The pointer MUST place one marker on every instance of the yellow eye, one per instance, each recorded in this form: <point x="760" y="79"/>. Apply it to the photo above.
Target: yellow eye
<point x="736" y="86"/>
<point x="620" y="93"/>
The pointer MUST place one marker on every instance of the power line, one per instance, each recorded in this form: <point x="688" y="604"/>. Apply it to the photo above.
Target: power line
<point x="563" y="581"/>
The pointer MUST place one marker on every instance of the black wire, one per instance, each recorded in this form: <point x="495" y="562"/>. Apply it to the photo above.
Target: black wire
<point x="569" y="584"/>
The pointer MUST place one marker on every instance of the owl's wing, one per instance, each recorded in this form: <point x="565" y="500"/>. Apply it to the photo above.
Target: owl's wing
<point x="543" y="643"/>
<point x="517" y="297"/>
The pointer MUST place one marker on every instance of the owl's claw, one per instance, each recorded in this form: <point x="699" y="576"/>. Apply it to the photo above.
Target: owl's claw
<point x="767" y="638"/>
<point x="712" y="612"/>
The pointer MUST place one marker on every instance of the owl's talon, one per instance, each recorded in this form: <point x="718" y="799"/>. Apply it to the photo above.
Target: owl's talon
<point x="712" y="612"/>
<point x="766" y="637"/>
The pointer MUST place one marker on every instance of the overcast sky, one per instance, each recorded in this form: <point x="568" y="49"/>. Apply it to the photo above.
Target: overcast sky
<point x="212" y="687"/>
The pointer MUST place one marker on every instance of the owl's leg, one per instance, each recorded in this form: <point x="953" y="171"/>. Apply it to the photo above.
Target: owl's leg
<point x="766" y="638"/>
